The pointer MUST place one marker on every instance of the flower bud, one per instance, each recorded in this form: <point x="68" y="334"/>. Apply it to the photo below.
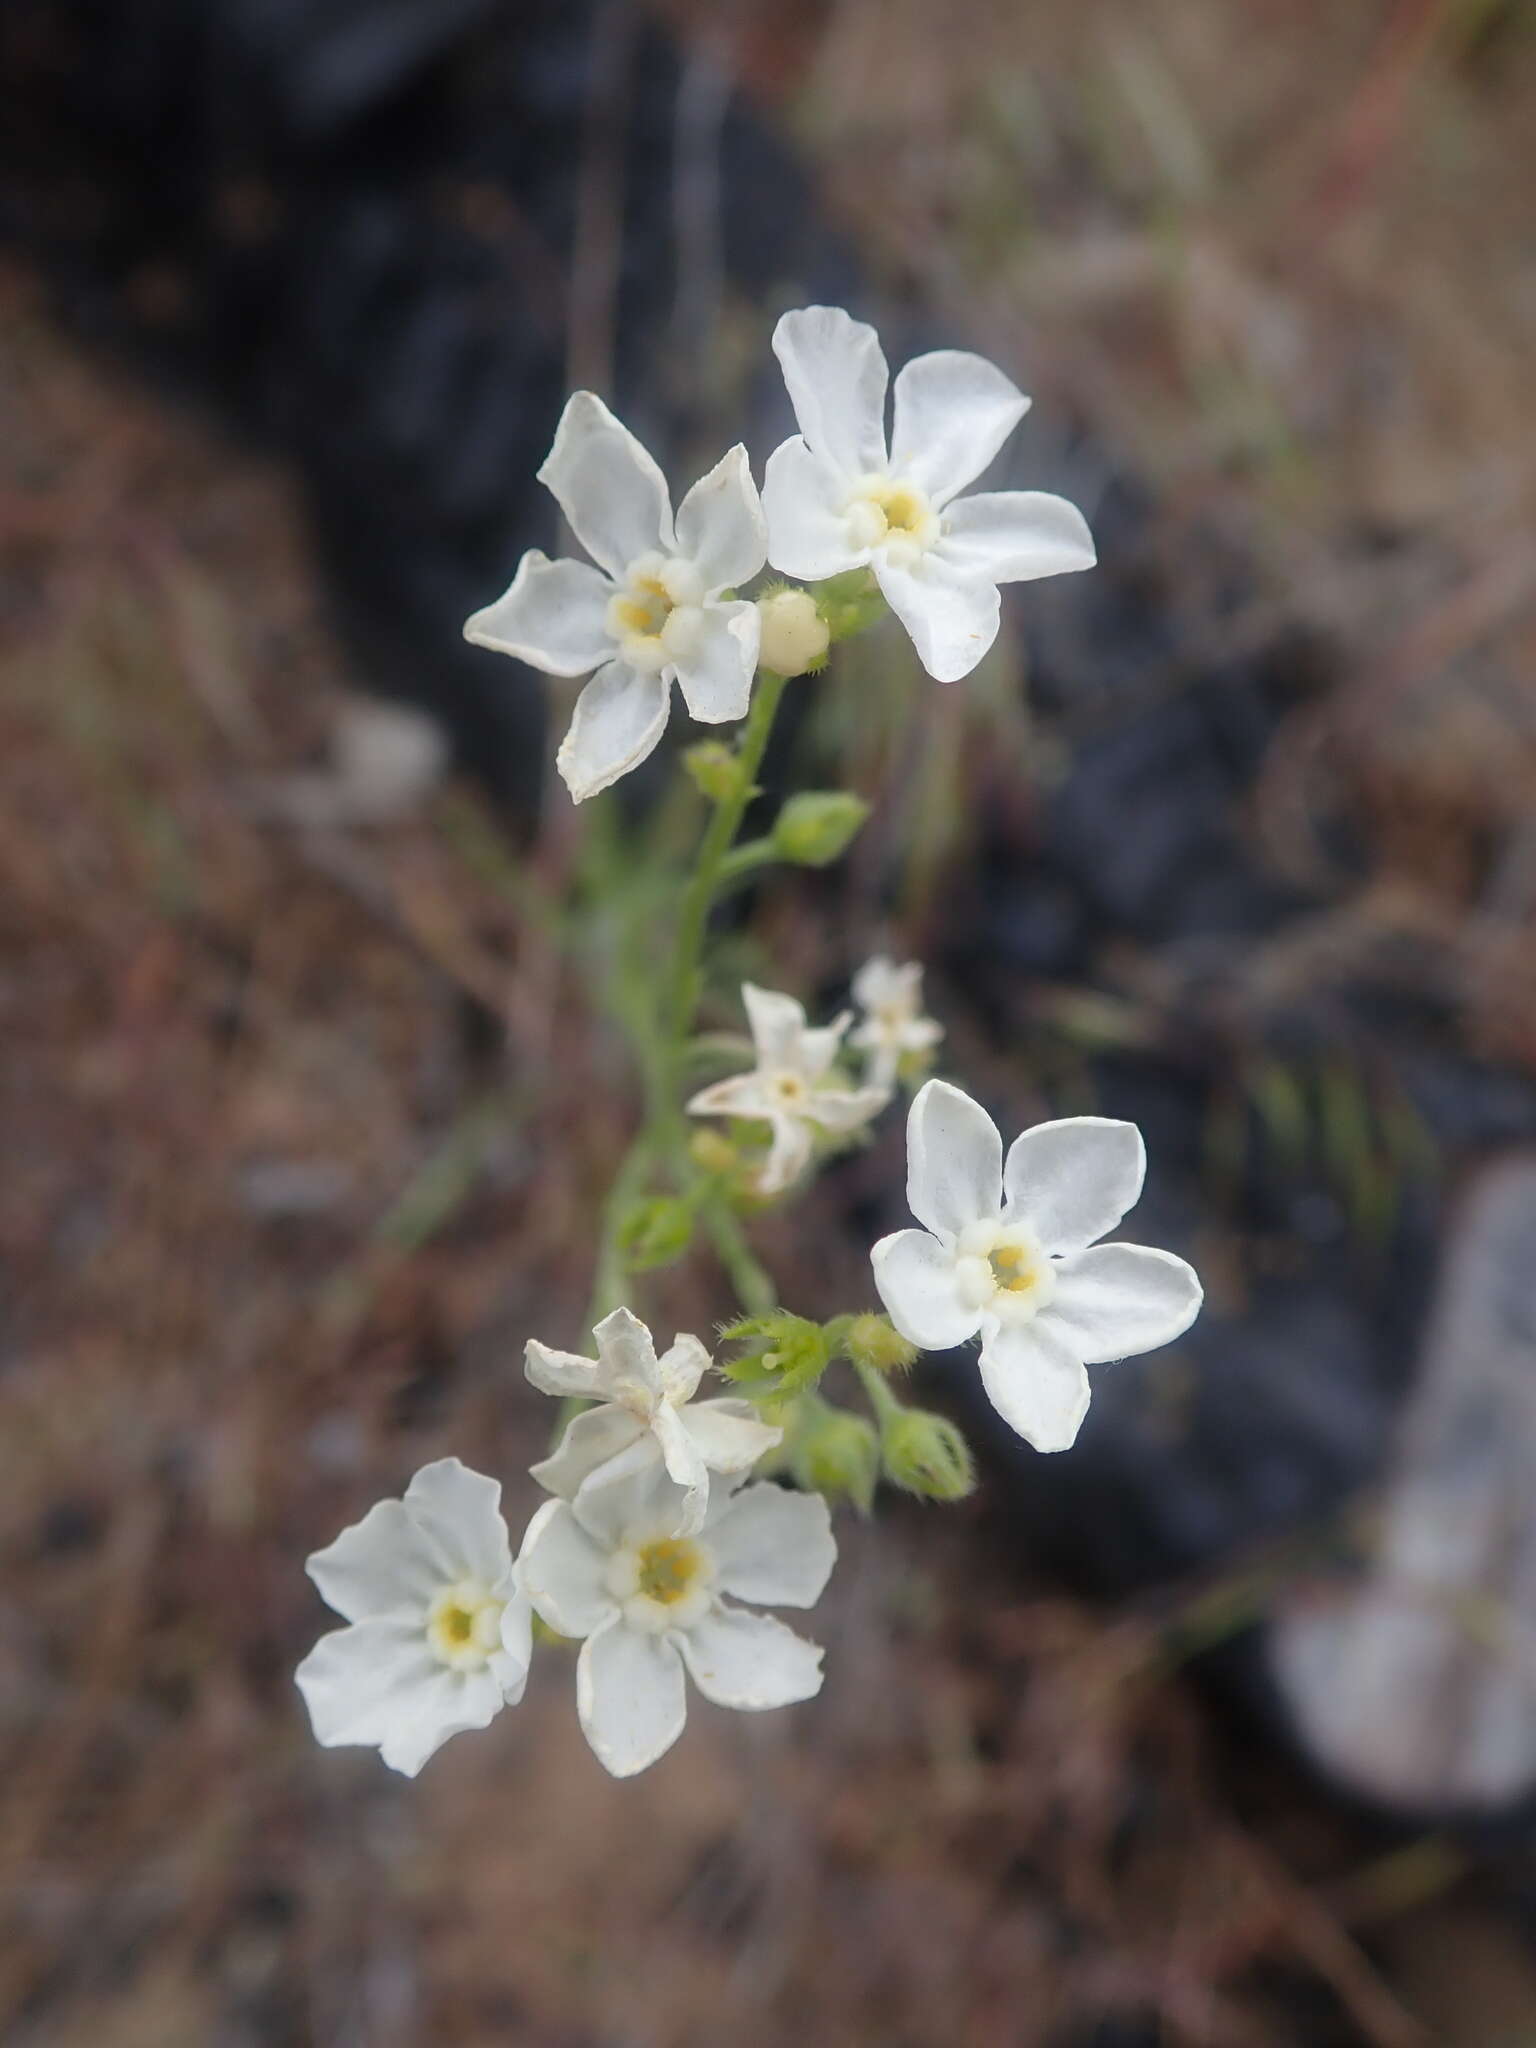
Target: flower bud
<point x="925" y="1454"/>
<point x="715" y="770"/>
<point x="795" y="636"/>
<point x="655" y="1231"/>
<point x="784" y="1354"/>
<point x="874" y="1341"/>
<point x="839" y="1454"/>
<point x="814" y="828"/>
<point x="714" y="1153"/>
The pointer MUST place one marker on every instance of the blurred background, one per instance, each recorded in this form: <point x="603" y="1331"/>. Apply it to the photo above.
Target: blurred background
<point x="1220" y="1731"/>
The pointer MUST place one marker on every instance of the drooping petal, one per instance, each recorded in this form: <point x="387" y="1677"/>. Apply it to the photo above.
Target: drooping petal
<point x="380" y="1565"/>
<point x="553" y="615"/>
<point x="728" y="1433"/>
<point x="606" y="484"/>
<point x="952" y="621"/>
<point x="459" y="1514"/>
<point x="772" y="1547"/>
<point x="618" y="719"/>
<point x="716" y="677"/>
<point x="806" y="503"/>
<point x="1115" y="1300"/>
<point x="564" y="1572"/>
<point x="681" y="1367"/>
<point x="777" y="1024"/>
<point x="836" y="375"/>
<point x="915" y="1278"/>
<point x="591" y="1440"/>
<point x="845" y="1109"/>
<point x="1071" y="1180"/>
<point x="720" y="524"/>
<point x="951" y="413"/>
<point x="954" y="1160"/>
<point x="743" y="1095"/>
<point x="788" y="1155"/>
<point x="1014" y="537"/>
<point x="1036" y="1382"/>
<point x="685" y="1466"/>
<point x="630" y="1697"/>
<point x="750" y="1661"/>
<point x="377" y="1683"/>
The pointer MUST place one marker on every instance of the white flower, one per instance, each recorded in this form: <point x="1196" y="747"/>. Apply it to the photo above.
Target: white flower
<point x="609" y="1567"/>
<point x="893" y="1025"/>
<point x="441" y="1631"/>
<point x="1008" y="1252"/>
<point x="792" y="1088"/>
<point x="648" y="1413"/>
<point x="836" y="500"/>
<point x="651" y="612"/>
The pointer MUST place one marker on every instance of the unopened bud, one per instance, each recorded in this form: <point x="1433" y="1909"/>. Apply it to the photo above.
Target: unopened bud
<point x="715" y="770"/>
<point x="714" y="1153"/>
<point x="874" y="1341"/>
<point x="925" y="1454"/>
<point x="655" y="1231"/>
<point x="814" y="828"/>
<point x="838" y="1454"/>
<point x="795" y="635"/>
<point x="784" y="1354"/>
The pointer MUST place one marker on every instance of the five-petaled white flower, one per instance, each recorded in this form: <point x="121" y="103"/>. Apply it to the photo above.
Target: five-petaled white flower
<point x="652" y="611"/>
<point x="893" y="1024"/>
<point x="1008" y="1252"/>
<point x="793" y="1088"/>
<point x="441" y="1632"/>
<point x="609" y="1567"/>
<point x="648" y="1413"/>
<point x="837" y="500"/>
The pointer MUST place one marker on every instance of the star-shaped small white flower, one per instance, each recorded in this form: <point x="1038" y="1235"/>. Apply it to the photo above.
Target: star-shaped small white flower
<point x="837" y="500"/>
<point x="793" y="1088"/>
<point x="893" y="1024"/>
<point x="647" y="1414"/>
<point x="608" y="1567"/>
<point x="1008" y="1253"/>
<point x="440" y="1633"/>
<point x="652" y="612"/>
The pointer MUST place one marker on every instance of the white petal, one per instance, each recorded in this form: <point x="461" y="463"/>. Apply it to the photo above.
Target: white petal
<point x="845" y="1109"/>
<point x="378" y="1684"/>
<point x="952" y="413"/>
<point x="681" y="1367"/>
<point x="1035" y="1381"/>
<point x="743" y="1095"/>
<point x="954" y="1160"/>
<point x="618" y="719"/>
<point x="819" y="1048"/>
<point x="729" y="1434"/>
<point x="836" y="376"/>
<point x="716" y="679"/>
<point x="788" y="1155"/>
<point x="563" y="1373"/>
<point x="777" y="1024"/>
<point x="685" y="1466"/>
<point x="564" y="1572"/>
<point x="380" y="1565"/>
<point x="1115" y="1300"/>
<point x="608" y="487"/>
<point x="590" y="1442"/>
<point x="805" y="500"/>
<point x="553" y="615"/>
<point x="720" y="524"/>
<point x="627" y="1352"/>
<point x="510" y="1663"/>
<point x="952" y="621"/>
<point x="772" y="1547"/>
<point x="750" y="1661"/>
<point x="915" y="1278"/>
<point x="459" y="1515"/>
<point x="1070" y="1181"/>
<point x="1015" y="536"/>
<point x="634" y="1501"/>
<point x="880" y="984"/>
<point x="630" y="1697"/>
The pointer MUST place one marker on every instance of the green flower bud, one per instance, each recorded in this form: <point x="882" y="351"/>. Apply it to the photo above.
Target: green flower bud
<point x="715" y="770"/>
<point x="874" y="1341"/>
<point x="783" y="1354"/>
<point x="814" y="828"/>
<point x="655" y="1231"/>
<point x="838" y="1454"/>
<point x="795" y="638"/>
<point x="926" y="1455"/>
<point x="714" y="1153"/>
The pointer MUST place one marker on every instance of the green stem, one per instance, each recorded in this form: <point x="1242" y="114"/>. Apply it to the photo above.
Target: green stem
<point x="745" y="860"/>
<point x="748" y="1275"/>
<point x="881" y="1399"/>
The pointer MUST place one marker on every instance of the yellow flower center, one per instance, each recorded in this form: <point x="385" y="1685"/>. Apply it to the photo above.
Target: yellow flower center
<point x="668" y="1568"/>
<point x="886" y="513"/>
<point x="655" y="615"/>
<point x="1013" y="1269"/>
<point x="464" y="1625"/>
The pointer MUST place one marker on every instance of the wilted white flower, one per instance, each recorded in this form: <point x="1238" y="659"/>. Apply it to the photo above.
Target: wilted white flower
<point x="793" y="1088"/>
<point x="1008" y="1252"/>
<point x="837" y="500"/>
<point x="441" y="1633"/>
<point x="609" y="1567"/>
<point x="652" y="612"/>
<point x="893" y="1024"/>
<point x="648" y="1413"/>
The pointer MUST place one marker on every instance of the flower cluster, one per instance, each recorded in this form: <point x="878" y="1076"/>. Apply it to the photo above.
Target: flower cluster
<point x="665" y="1522"/>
